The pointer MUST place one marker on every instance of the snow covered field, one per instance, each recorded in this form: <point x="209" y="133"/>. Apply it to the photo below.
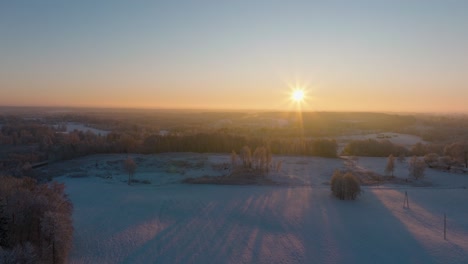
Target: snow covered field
<point x="72" y="126"/>
<point x="170" y="222"/>
<point x="396" y="138"/>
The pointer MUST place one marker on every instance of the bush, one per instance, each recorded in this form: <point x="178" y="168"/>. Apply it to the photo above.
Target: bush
<point x="345" y="186"/>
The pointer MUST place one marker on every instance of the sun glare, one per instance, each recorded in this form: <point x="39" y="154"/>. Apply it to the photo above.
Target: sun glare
<point x="298" y="95"/>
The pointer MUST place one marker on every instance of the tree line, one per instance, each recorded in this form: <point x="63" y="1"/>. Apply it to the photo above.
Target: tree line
<point x="35" y="221"/>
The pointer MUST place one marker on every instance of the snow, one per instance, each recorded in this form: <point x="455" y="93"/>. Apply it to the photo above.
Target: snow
<point x="72" y="126"/>
<point x="170" y="222"/>
<point x="436" y="178"/>
<point x="396" y="138"/>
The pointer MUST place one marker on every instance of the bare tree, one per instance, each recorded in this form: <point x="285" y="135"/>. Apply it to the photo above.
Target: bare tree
<point x="130" y="166"/>
<point x="390" y="165"/>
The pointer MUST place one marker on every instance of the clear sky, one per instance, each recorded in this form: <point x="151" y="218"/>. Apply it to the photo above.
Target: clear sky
<point x="350" y="55"/>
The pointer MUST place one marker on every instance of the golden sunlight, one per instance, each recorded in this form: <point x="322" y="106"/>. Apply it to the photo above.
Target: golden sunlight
<point x="298" y="95"/>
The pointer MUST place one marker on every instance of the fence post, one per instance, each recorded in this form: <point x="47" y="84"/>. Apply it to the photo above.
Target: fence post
<point x="406" y="201"/>
<point x="445" y="226"/>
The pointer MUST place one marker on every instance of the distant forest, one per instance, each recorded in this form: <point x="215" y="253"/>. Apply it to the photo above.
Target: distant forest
<point x="29" y="137"/>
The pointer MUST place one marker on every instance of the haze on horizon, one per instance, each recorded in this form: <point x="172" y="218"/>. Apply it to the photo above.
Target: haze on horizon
<point x="400" y="56"/>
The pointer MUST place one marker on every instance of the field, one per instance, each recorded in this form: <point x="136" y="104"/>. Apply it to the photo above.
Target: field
<point x="297" y="222"/>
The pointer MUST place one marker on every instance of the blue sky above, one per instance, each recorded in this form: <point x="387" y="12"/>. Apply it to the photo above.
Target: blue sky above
<point x="234" y="53"/>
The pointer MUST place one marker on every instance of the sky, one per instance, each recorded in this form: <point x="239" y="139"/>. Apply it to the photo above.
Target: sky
<point x="398" y="56"/>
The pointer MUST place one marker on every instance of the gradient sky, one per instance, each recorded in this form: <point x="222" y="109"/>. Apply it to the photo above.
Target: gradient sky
<point x="402" y="56"/>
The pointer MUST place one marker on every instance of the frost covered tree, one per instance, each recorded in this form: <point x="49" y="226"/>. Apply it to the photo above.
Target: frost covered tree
<point x="130" y="167"/>
<point x="390" y="165"/>
<point x="24" y="254"/>
<point x="246" y="156"/>
<point x="27" y="208"/>
<point x="458" y="151"/>
<point x="431" y="159"/>
<point x="446" y="161"/>
<point x="234" y="159"/>
<point x="56" y="230"/>
<point x="416" y="167"/>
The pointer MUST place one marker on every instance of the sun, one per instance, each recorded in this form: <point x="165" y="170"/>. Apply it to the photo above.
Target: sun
<point x="298" y="95"/>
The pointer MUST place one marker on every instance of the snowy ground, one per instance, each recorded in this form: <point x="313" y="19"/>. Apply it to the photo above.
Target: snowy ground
<point x="170" y="222"/>
<point x="405" y="140"/>
<point x="72" y="126"/>
<point x="396" y="138"/>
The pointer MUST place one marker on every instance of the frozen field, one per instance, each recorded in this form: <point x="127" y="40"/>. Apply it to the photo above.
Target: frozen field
<point x="72" y="126"/>
<point x="396" y="138"/>
<point x="170" y="222"/>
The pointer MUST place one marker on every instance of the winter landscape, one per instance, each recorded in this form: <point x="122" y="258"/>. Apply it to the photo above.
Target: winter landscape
<point x="233" y="132"/>
<point x="296" y="222"/>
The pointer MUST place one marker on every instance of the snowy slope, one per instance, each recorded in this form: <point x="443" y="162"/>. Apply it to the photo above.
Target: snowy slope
<point x="178" y="223"/>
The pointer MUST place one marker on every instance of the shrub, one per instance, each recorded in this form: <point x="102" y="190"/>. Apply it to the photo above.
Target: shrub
<point x="345" y="186"/>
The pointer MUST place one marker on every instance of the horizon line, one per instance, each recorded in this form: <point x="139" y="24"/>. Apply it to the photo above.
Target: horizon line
<point x="222" y="109"/>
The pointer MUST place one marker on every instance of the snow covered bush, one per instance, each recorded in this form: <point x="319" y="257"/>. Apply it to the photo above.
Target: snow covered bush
<point x="345" y="186"/>
<point x="416" y="167"/>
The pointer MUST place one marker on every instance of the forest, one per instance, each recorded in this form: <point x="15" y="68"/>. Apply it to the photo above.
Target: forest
<point x="29" y="137"/>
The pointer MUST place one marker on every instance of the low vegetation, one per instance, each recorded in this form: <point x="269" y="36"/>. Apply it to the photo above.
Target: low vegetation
<point x="246" y="168"/>
<point x="373" y="148"/>
<point x="345" y="186"/>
